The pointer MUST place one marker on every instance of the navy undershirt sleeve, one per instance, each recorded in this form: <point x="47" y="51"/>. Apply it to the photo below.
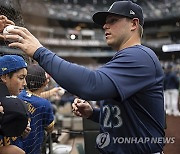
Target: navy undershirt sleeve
<point x="95" y="116"/>
<point x="78" y="80"/>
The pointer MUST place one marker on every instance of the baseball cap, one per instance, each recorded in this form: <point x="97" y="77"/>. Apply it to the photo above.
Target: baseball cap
<point x="36" y="77"/>
<point x="15" y="118"/>
<point x="123" y="8"/>
<point x="10" y="63"/>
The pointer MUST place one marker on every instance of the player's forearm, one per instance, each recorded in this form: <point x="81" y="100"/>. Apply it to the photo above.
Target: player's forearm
<point x="76" y="79"/>
<point x="47" y="94"/>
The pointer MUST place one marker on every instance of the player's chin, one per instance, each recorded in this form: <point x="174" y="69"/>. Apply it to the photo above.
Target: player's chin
<point x="109" y="43"/>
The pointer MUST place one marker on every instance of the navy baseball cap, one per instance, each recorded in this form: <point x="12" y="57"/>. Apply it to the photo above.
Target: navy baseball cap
<point x="123" y="8"/>
<point x="15" y="118"/>
<point x="10" y="63"/>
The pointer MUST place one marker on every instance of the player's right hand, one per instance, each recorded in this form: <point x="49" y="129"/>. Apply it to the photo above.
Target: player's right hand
<point x="82" y="108"/>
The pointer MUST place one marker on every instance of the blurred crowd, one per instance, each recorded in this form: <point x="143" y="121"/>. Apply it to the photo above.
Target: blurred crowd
<point x="172" y="87"/>
<point x="82" y="10"/>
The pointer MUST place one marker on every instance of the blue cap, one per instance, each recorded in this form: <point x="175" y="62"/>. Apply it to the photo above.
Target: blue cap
<point x="123" y="8"/>
<point x="10" y="63"/>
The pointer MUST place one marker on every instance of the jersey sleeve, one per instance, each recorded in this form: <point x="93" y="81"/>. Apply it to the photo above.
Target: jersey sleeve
<point x="78" y="80"/>
<point x="131" y="70"/>
<point x="48" y="116"/>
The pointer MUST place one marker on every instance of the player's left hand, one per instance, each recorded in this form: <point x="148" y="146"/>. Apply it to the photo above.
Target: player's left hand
<point x="4" y="21"/>
<point x="23" y="39"/>
<point x="82" y="108"/>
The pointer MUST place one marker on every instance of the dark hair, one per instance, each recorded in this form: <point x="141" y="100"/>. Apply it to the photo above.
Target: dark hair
<point x="10" y="74"/>
<point x="35" y="77"/>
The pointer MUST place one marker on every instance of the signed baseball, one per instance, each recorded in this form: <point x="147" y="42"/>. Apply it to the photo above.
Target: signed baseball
<point x="7" y="29"/>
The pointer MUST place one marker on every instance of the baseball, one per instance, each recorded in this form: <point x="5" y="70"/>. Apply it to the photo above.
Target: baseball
<point x="7" y="29"/>
<point x="61" y="92"/>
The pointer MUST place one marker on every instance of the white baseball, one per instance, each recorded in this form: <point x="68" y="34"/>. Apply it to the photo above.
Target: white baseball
<point x="7" y="29"/>
<point x="61" y="92"/>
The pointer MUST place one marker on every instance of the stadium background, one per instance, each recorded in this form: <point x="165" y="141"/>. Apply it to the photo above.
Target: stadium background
<point x="66" y="28"/>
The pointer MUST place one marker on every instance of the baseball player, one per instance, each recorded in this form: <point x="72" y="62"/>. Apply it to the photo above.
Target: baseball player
<point x="171" y="91"/>
<point x="40" y="110"/>
<point x="12" y="76"/>
<point x="131" y="117"/>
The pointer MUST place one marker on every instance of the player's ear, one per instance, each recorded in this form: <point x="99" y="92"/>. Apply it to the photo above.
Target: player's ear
<point x="135" y="23"/>
<point x="4" y="78"/>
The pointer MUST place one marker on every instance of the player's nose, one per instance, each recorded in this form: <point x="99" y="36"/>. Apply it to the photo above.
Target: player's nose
<point x="24" y="83"/>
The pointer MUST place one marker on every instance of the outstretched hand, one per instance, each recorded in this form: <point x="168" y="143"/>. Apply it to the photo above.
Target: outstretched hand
<point x="82" y="108"/>
<point x="23" y="39"/>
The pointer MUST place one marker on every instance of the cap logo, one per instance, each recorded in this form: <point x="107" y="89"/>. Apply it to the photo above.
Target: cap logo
<point x="132" y="12"/>
<point x="4" y="69"/>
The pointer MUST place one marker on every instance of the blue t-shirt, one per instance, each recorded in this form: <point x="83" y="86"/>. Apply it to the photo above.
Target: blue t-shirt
<point x="41" y="118"/>
<point x="132" y="117"/>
